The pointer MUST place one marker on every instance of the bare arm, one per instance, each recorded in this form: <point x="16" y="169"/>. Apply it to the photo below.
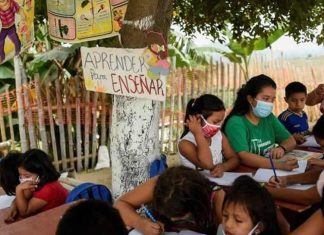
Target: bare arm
<point x="309" y="177"/>
<point x="233" y="160"/>
<point x="257" y="161"/>
<point x="316" y="96"/>
<point x="304" y="197"/>
<point x="128" y="203"/>
<point x="289" y="144"/>
<point x="314" y="225"/>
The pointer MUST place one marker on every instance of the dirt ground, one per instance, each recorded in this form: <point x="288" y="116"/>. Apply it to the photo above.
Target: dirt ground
<point x="103" y="176"/>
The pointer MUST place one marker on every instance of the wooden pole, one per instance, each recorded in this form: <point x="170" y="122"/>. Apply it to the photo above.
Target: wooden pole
<point x="12" y="135"/>
<point x="94" y="129"/>
<point x="78" y="126"/>
<point x="86" y="130"/>
<point x="2" y="125"/>
<point x="69" y="127"/>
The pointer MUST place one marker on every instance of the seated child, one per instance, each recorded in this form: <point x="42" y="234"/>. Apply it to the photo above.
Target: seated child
<point x="315" y="224"/>
<point x="202" y="144"/>
<point x="294" y="118"/>
<point x="39" y="189"/>
<point x="181" y="199"/>
<point x="248" y="208"/>
<point x="91" y="217"/>
<point x="318" y="132"/>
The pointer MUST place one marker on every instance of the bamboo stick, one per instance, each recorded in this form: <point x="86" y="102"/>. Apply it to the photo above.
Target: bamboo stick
<point x="69" y="125"/>
<point x="94" y="129"/>
<point x="86" y="130"/>
<point x="172" y="106"/>
<point x="78" y="127"/>
<point x="60" y="122"/>
<point x="185" y="92"/>
<point x="179" y="106"/>
<point x="12" y="135"/>
<point x="51" y="122"/>
<point x="40" y="108"/>
<point x="2" y="125"/>
<point x="103" y="136"/>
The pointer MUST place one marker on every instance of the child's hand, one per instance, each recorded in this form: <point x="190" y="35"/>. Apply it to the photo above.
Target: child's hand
<point x="148" y="227"/>
<point x="316" y="162"/>
<point x="12" y="215"/>
<point x="299" y="138"/>
<point x="218" y="170"/>
<point x="287" y="165"/>
<point x="193" y="124"/>
<point x="277" y="153"/>
<point x="27" y="185"/>
<point x="273" y="183"/>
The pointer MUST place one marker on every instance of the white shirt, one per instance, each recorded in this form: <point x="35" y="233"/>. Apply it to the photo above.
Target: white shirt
<point x="215" y="148"/>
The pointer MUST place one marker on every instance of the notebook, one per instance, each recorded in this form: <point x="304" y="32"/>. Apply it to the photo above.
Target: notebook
<point x="303" y="155"/>
<point x="227" y="179"/>
<point x="310" y="142"/>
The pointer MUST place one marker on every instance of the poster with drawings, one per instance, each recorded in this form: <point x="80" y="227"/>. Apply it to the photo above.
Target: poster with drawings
<point x="16" y="27"/>
<point x="75" y="21"/>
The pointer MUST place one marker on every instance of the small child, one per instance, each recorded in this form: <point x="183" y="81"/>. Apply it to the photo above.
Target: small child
<point x="91" y="217"/>
<point x="39" y="189"/>
<point x="318" y="132"/>
<point x="202" y="144"/>
<point x="249" y="209"/>
<point x="294" y="118"/>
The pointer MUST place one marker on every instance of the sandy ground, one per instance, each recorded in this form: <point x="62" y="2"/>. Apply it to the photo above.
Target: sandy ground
<point x="103" y="176"/>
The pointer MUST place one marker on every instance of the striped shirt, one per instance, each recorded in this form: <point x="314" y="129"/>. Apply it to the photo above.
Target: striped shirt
<point x="7" y="17"/>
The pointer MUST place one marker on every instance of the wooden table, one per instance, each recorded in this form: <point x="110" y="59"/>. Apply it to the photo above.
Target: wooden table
<point x="44" y="223"/>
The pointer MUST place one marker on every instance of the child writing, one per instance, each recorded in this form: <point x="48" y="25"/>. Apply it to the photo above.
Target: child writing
<point x="253" y="131"/>
<point x="181" y="199"/>
<point x="39" y="189"/>
<point x="249" y="209"/>
<point x="202" y="143"/>
<point x="294" y="118"/>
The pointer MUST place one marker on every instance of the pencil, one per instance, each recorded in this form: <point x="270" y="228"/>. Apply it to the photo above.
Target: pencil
<point x="273" y="168"/>
<point x="149" y="214"/>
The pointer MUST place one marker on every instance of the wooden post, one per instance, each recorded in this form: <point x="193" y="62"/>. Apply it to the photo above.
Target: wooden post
<point x="222" y="79"/>
<point x="12" y="135"/>
<point x="103" y="136"/>
<point x="2" y="125"/>
<point x="179" y="107"/>
<point x="173" y="71"/>
<point x="61" y="122"/>
<point x="94" y="129"/>
<point x="51" y="122"/>
<point x="20" y="106"/>
<point x="69" y="127"/>
<point x="217" y="79"/>
<point x="185" y="92"/>
<point x="78" y="127"/>
<point x="40" y="109"/>
<point x="86" y="130"/>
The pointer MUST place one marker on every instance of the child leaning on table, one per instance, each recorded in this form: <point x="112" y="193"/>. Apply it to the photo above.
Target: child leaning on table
<point x="294" y="118"/>
<point x="39" y="189"/>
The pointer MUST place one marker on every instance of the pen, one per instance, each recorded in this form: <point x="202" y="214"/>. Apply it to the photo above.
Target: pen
<point x="149" y="214"/>
<point x="273" y="168"/>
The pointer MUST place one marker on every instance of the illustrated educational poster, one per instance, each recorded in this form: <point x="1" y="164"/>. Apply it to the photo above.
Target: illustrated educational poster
<point x="75" y="21"/>
<point x="17" y="28"/>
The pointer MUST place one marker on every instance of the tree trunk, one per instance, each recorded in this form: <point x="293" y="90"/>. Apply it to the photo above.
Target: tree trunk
<point x="135" y="122"/>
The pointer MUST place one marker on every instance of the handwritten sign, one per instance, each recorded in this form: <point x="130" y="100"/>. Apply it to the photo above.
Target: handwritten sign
<point x="121" y="72"/>
<point x="17" y="28"/>
<point x="75" y="21"/>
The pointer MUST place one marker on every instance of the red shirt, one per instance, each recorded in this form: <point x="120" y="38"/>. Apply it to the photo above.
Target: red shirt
<point x="8" y="16"/>
<point x="53" y="193"/>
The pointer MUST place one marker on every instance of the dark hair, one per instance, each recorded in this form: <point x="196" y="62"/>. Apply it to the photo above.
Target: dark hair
<point x="37" y="161"/>
<point x="253" y="87"/>
<point x="295" y="87"/>
<point x="179" y="191"/>
<point x="204" y="105"/>
<point x="91" y="217"/>
<point x="258" y="202"/>
<point x="318" y="129"/>
<point x="9" y="175"/>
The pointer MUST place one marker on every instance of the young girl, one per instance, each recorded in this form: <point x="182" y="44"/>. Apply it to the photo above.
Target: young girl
<point x="253" y="131"/>
<point x="39" y="189"/>
<point x="202" y="144"/>
<point x="248" y="209"/>
<point x="181" y="199"/>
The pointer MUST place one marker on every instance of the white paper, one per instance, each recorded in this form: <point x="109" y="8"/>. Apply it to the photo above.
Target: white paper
<point x="184" y="232"/>
<point x="310" y="142"/>
<point x="227" y="179"/>
<point x="300" y="154"/>
<point x="5" y="201"/>
<point x="263" y="175"/>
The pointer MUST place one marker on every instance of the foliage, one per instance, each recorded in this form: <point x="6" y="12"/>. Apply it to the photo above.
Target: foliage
<point x="252" y="18"/>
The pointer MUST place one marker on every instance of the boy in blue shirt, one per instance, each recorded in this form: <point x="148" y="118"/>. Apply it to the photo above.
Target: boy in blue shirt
<point x="294" y="118"/>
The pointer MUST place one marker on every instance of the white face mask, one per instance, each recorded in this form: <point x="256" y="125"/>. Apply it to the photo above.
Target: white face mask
<point x="223" y="232"/>
<point x="22" y="180"/>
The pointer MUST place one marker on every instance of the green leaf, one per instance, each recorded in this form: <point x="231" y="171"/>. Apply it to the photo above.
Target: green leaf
<point x="57" y="53"/>
<point x="7" y="71"/>
<point x="263" y="43"/>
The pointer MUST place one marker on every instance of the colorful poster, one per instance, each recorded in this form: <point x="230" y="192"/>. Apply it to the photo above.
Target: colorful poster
<point x="75" y="21"/>
<point x="128" y="72"/>
<point x="17" y="28"/>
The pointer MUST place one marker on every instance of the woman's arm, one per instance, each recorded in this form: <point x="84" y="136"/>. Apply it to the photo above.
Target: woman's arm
<point x="304" y="197"/>
<point x="316" y="96"/>
<point x="128" y="203"/>
<point x="257" y="161"/>
<point x="28" y="206"/>
<point x="314" y="225"/>
<point x="289" y="144"/>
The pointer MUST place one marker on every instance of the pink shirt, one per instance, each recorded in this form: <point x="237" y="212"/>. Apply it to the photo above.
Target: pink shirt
<point x="7" y="17"/>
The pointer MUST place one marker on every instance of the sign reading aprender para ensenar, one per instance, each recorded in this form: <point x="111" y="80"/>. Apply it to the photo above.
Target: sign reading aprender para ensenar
<point x="127" y="72"/>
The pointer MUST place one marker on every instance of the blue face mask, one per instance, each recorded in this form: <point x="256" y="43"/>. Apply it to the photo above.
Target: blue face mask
<point x="262" y="109"/>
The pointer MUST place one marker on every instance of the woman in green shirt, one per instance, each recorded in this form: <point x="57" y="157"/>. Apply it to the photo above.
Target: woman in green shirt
<point x="253" y="131"/>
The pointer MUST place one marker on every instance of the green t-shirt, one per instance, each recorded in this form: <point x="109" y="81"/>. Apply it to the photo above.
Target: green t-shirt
<point x="258" y="139"/>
